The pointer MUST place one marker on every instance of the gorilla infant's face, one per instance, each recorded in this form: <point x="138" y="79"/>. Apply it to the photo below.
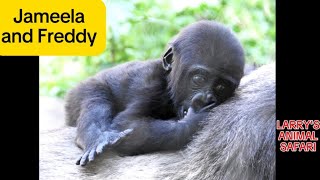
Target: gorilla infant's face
<point x="206" y="64"/>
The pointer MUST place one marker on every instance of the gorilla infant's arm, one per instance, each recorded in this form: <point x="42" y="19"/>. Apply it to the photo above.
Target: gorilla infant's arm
<point x="237" y="142"/>
<point x="141" y="107"/>
<point x="105" y="122"/>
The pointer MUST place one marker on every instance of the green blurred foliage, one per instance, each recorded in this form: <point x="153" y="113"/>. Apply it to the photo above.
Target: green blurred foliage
<point x="140" y="30"/>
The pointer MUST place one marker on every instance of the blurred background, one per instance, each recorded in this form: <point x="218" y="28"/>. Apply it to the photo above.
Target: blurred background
<point x="140" y="30"/>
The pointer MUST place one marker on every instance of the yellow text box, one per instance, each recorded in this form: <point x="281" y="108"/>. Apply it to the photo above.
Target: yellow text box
<point x="52" y="27"/>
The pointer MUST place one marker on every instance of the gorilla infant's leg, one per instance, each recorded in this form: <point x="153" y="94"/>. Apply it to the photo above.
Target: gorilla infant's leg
<point x="93" y="119"/>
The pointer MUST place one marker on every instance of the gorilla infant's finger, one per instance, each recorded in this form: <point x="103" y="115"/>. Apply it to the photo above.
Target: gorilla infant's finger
<point x="101" y="146"/>
<point x="121" y="135"/>
<point x="84" y="159"/>
<point x="115" y="141"/>
<point x="125" y="133"/>
<point x="78" y="160"/>
<point x="92" y="154"/>
<point x="190" y="111"/>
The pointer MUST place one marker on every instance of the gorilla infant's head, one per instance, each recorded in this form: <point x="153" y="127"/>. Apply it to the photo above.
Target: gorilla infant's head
<point x="205" y="63"/>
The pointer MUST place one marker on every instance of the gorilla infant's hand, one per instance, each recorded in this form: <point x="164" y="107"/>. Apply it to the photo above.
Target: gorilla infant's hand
<point x="201" y="102"/>
<point x="107" y="139"/>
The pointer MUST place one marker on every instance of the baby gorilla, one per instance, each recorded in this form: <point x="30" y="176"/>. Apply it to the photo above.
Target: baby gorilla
<point x="140" y="107"/>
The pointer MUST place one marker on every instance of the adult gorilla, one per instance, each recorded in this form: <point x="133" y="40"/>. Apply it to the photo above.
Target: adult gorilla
<point x="237" y="142"/>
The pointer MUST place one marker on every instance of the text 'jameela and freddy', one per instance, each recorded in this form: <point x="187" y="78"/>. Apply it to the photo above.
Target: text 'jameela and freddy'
<point x="43" y="34"/>
<point x="53" y="28"/>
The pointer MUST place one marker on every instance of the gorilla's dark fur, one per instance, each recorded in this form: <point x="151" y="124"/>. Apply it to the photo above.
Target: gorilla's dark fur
<point x="146" y="106"/>
<point x="237" y="142"/>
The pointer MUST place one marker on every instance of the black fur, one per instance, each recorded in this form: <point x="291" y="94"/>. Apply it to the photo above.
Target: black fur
<point x="140" y="107"/>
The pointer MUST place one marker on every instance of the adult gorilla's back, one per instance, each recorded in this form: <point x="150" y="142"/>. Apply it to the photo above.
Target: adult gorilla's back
<point x="238" y="142"/>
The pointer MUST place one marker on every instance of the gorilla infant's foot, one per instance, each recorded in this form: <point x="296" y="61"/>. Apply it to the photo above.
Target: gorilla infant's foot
<point x="106" y="140"/>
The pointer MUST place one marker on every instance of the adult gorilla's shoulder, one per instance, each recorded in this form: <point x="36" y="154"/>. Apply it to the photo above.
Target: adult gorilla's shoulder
<point x="237" y="142"/>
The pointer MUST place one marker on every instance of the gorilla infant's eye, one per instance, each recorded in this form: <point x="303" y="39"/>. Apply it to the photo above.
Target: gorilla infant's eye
<point x="220" y="87"/>
<point x="198" y="79"/>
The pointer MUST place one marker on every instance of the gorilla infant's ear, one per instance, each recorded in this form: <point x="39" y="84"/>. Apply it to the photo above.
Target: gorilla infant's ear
<point x="167" y="59"/>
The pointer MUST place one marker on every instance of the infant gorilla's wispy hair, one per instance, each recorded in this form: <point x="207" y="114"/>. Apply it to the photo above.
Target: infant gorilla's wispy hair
<point x="204" y="40"/>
